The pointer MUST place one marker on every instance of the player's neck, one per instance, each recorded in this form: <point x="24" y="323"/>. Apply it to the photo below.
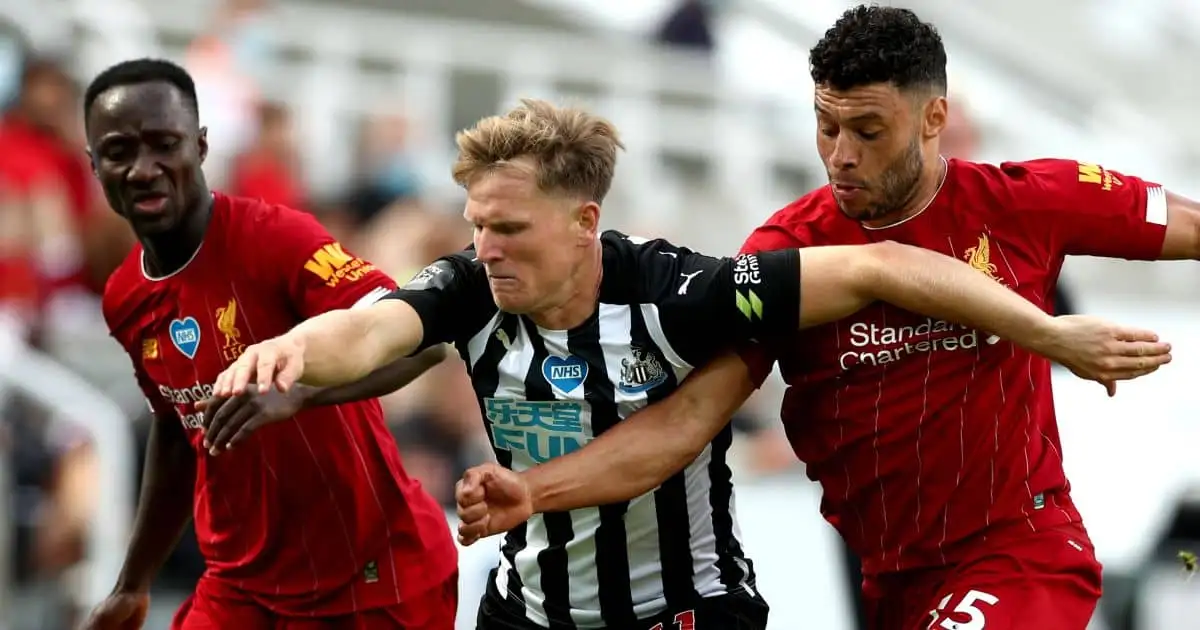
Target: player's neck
<point x="933" y="176"/>
<point x="169" y="252"/>
<point x="581" y="298"/>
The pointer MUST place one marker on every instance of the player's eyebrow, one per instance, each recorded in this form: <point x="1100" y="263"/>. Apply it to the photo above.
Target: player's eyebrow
<point x="865" y="118"/>
<point x="113" y="136"/>
<point x="857" y="119"/>
<point x="143" y="131"/>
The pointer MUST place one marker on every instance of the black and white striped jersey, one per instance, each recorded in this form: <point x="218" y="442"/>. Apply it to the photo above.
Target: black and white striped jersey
<point x="543" y="393"/>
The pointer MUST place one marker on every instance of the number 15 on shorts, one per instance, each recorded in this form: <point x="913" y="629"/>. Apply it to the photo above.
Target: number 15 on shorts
<point x="968" y="614"/>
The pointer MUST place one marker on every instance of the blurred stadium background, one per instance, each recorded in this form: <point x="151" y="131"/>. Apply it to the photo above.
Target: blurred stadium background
<point x="347" y="108"/>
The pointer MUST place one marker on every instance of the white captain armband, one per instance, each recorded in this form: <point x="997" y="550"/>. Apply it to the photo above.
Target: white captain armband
<point x="373" y="296"/>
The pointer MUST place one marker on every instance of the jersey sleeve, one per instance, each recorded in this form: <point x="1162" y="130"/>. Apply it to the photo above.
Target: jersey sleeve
<point x="759" y="356"/>
<point x="706" y="305"/>
<point x="1090" y="210"/>
<point x="319" y="273"/>
<point x="159" y="406"/>
<point x="769" y="237"/>
<point x="441" y="295"/>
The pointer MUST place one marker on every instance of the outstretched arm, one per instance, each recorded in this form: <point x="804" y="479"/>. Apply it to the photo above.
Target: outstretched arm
<point x="1182" y="240"/>
<point x="331" y="349"/>
<point x="165" y="503"/>
<point x="381" y="382"/>
<point x="229" y="420"/>
<point x="841" y="280"/>
<point x="344" y="346"/>
<point x="341" y="347"/>
<point x="837" y="281"/>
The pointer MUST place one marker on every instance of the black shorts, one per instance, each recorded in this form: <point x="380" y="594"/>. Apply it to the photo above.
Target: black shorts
<point x="739" y="611"/>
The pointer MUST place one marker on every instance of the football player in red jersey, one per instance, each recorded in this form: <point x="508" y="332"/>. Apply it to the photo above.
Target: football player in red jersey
<point x="310" y="523"/>
<point x="936" y="445"/>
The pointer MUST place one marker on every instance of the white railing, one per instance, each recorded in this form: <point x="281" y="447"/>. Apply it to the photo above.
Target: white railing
<point x="52" y="386"/>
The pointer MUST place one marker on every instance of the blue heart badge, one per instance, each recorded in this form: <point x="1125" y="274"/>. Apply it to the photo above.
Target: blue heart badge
<point x="566" y="374"/>
<point x="185" y="334"/>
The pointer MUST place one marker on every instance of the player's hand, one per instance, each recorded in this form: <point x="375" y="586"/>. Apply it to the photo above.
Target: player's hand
<point x="278" y="362"/>
<point x="229" y="420"/>
<point x="491" y="500"/>
<point x="1104" y="352"/>
<point x="119" y="611"/>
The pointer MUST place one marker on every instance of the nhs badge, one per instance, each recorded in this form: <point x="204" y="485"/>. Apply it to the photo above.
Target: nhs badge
<point x="565" y="374"/>
<point x="185" y="334"/>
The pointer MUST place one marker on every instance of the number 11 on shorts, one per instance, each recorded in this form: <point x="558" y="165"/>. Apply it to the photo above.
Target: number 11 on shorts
<point x="685" y="620"/>
<point x="968" y="607"/>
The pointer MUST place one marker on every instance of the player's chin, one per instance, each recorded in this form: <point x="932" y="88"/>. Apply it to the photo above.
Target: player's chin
<point x="152" y="222"/>
<point x="858" y="211"/>
<point x="511" y="301"/>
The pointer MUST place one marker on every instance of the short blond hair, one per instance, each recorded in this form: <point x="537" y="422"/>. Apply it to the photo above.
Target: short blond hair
<point x="575" y="151"/>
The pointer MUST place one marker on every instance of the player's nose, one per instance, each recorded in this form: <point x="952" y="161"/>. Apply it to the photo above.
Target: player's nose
<point x="145" y="169"/>
<point x="487" y="250"/>
<point x="845" y="155"/>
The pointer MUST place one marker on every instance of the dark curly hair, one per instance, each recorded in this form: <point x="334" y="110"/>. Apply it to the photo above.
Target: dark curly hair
<point x="874" y="44"/>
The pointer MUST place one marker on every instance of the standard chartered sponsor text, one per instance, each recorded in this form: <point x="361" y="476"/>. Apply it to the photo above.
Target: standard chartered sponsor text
<point x="876" y="345"/>
<point x="185" y="400"/>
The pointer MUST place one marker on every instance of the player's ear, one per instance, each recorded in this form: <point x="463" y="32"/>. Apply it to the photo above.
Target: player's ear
<point x="588" y="221"/>
<point x="202" y="143"/>
<point x="934" y="117"/>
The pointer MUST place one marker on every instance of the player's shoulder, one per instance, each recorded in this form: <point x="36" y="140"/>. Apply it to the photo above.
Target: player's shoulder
<point x="261" y="216"/>
<point x="1008" y="173"/>
<point x="251" y="232"/>
<point x="1014" y="185"/>
<point x="813" y="219"/>
<point x="646" y="270"/>
<point x="631" y="255"/>
<point x="636" y="246"/>
<point x="462" y="268"/>
<point x="813" y="207"/>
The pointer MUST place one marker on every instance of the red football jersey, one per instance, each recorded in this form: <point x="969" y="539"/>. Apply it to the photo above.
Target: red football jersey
<point x="926" y="435"/>
<point x="311" y="515"/>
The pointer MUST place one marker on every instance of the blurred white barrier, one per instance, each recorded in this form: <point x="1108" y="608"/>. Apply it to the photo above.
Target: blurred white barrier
<point x="1129" y="458"/>
<point x="50" y="385"/>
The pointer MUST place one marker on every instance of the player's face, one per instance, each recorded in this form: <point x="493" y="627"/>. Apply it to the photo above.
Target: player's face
<point x="870" y="140"/>
<point x="147" y="150"/>
<point x="533" y="244"/>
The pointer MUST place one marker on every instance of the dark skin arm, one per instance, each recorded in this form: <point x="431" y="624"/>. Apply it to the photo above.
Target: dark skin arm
<point x="164" y="507"/>
<point x="228" y="421"/>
